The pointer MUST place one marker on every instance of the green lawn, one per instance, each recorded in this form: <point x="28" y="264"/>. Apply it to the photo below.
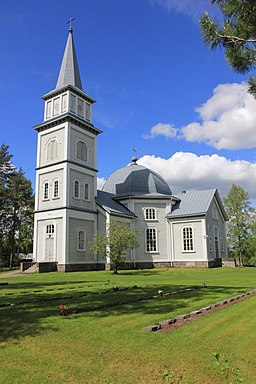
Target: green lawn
<point x="107" y="343"/>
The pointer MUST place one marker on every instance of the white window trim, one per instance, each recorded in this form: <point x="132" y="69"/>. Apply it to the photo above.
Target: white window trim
<point x="89" y="192"/>
<point x="48" y="197"/>
<point x="74" y="186"/>
<point x="156" y="251"/>
<point x="145" y="213"/>
<point x="77" y="239"/>
<point x="53" y="190"/>
<point x="193" y="239"/>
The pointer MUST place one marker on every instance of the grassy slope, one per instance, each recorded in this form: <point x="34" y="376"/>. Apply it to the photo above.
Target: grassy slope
<point x="109" y="345"/>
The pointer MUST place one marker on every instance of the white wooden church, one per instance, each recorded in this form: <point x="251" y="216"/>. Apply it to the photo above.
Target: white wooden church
<point x="182" y="230"/>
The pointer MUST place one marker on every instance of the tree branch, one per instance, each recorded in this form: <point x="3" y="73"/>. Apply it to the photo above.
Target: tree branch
<point x="235" y="38"/>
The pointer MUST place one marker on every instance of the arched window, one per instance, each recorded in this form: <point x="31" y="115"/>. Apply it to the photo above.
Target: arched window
<point x="81" y="240"/>
<point x="46" y="190"/>
<point x="50" y="229"/>
<point x="52" y="149"/>
<point x="150" y="214"/>
<point x="56" y="189"/>
<point x="81" y="150"/>
<point x="151" y="240"/>
<point x="86" y="191"/>
<point x="76" y="189"/>
<point x="188" y="239"/>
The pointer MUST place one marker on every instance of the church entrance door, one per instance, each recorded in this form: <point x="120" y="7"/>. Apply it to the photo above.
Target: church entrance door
<point x="49" y="243"/>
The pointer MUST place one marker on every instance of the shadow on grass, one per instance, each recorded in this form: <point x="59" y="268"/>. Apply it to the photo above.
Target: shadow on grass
<point x="22" y="320"/>
<point x="140" y="272"/>
<point x="32" y="285"/>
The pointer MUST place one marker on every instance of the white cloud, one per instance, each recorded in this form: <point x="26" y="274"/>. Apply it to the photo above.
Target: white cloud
<point x="100" y="182"/>
<point x="192" y="8"/>
<point x="228" y="120"/>
<point x="161" y="129"/>
<point x="185" y="170"/>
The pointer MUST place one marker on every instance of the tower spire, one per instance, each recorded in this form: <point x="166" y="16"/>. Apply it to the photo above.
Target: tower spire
<point x="69" y="71"/>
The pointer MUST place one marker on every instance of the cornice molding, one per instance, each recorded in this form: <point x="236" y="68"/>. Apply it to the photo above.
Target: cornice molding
<point x="64" y="119"/>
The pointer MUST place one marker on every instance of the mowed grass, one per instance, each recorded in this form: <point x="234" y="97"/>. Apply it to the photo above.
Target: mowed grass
<point x="107" y="343"/>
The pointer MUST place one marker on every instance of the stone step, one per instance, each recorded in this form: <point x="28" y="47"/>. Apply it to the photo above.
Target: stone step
<point x="31" y="269"/>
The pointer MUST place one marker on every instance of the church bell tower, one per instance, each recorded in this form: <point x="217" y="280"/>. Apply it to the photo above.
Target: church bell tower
<point x="66" y="182"/>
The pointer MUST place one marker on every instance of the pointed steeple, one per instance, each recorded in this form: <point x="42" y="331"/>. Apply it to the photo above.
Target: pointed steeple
<point x="69" y="71"/>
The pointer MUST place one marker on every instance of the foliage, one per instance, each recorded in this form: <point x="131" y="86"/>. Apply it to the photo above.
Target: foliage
<point x="16" y="210"/>
<point x="230" y="374"/>
<point x="239" y="211"/>
<point x="250" y="257"/>
<point x="236" y="34"/>
<point x="115" y="244"/>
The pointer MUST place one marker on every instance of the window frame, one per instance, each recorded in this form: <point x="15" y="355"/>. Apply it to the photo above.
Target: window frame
<point x="150" y="214"/>
<point x="56" y="196"/>
<point x="86" y="197"/>
<point x="76" y="188"/>
<point x="82" y="158"/>
<point x="151" y="240"/>
<point x="49" y="229"/>
<point x="79" y="240"/>
<point x="46" y="190"/>
<point x="188" y="239"/>
<point x="52" y="149"/>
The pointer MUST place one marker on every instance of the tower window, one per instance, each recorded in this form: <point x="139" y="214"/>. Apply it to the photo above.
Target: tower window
<point x="188" y="239"/>
<point x="80" y="107"/>
<point x="56" y="188"/>
<point x="52" y="149"/>
<point x="86" y="191"/>
<point x="76" y="189"/>
<point x="150" y="214"/>
<point x="88" y="111"/>
<point x="81" y="237"/>
<point x="46" y="190"/>
<point x="151" y="240"/>
<point x="81" y="150"/>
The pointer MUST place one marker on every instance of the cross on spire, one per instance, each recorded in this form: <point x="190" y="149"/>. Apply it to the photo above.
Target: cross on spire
<point x="134" y="158"/>
<point x="70" y="23"/>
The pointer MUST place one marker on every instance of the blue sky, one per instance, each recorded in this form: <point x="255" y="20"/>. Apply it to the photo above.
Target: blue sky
<point x="159" y="88"/>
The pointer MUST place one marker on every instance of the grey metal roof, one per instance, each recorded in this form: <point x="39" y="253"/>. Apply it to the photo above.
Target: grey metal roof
<point x="105" y="200"/>
<point x="135" y="180"/>
<point x="195" y="203"/>
<point x="69" y="71"/>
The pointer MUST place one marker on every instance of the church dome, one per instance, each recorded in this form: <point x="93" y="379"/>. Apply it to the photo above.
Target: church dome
<point x="134" y="180"/>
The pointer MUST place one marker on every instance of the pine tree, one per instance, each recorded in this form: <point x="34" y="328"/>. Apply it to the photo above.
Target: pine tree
<point x="6" y="169"/>
<point x="19" y="204"/>
<point x="236" y="34"/>
<point x="16" y="209"/>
